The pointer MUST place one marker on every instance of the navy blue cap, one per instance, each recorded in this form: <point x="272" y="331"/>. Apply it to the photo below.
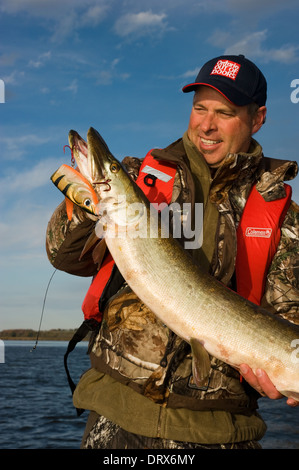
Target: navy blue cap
<point x="238" y="79"/>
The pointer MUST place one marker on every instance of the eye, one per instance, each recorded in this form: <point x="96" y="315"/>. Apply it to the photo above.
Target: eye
<point x="226" y="114"/>
<point x="114" y="167"/>
<point x="87" y="202"/>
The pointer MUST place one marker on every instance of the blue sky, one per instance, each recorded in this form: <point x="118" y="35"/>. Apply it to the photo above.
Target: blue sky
<point x="119" y="66"/>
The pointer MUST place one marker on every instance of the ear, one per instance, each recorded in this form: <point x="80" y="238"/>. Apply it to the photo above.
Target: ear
<point x="259" y="119"/>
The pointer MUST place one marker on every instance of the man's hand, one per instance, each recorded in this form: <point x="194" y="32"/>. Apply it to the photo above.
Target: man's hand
<point x="261" y="382"/>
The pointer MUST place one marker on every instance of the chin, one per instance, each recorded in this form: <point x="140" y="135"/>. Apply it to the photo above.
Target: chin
<point x="213" y="162"/>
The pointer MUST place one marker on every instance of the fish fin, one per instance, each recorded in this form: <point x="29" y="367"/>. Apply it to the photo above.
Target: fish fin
<point x="98" y="252"/>
<point x="201" y="363"/>
<point x="69" y="208"/>
<point x="91" y="241"/>
<point x="290" y="394"/>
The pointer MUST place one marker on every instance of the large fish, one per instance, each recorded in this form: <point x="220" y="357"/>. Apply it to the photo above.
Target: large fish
<point x="211" y="317"/>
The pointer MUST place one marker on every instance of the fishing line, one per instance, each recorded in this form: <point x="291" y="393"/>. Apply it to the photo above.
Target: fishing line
<point x="73" y="162"/>
<point x="43" y="308"/>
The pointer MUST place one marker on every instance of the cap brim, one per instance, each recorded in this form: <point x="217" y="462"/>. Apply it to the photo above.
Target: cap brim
<point x="239" y="99"/>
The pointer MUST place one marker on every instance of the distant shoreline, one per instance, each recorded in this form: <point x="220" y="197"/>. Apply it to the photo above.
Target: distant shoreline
<point x="44" y="335"/>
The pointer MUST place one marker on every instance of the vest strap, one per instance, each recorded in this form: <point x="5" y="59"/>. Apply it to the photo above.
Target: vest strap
<point x="82" y="331"/>
<point x="90" y="306"/>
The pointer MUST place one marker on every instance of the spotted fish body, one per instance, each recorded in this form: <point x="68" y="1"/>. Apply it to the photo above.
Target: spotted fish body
<point x="190" y="302"/>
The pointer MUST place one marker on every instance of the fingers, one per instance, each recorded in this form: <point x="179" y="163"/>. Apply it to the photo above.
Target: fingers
<point x="260" y="381"/>
<point x="292" y="402"/>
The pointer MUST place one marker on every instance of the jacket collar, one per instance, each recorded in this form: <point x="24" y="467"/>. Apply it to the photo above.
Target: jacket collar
<point x="236" y="170"/>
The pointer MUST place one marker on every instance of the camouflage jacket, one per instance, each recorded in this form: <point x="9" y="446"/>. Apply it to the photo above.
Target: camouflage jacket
<point x="65" y="239"/>
<point x="162" y="372"/>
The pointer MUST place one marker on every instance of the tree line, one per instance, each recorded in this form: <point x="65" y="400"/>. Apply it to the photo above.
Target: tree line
<point x="46" y="335"/>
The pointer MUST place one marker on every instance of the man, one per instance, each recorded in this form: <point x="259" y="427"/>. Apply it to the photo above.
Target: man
<point x="140" y="389"/>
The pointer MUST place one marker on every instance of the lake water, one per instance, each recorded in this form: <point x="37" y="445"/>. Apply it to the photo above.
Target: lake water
<point x="37" y="410"/>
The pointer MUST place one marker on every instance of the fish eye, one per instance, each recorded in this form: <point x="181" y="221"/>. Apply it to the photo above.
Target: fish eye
<point x="114" y="167"/>
<point x="87" y="202"/>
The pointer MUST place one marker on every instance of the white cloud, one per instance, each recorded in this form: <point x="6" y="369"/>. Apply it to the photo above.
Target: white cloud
<point x="108" y="73"/>
<point x="52" y="9"/>
<point x="27" y="180"/>
<point x="65" y="17"/>
<point x="64" y="26"/>
<point x="94" y="14"/>
<point x="287" y="54"/>
<point x="26" y="207"/>
<point x="13" y="148"/>
<point x="190" y="73"/>
<point x="45" y="90"/>
<point x="253" y="45"/>
<point x="40" y="60"/>
<point x="72" y="87"/>
<point x="8" y="59"/>
<point x="266" y="6"/>
<point x="14" y="78"/>
<point x="140" y="24"/>
<point x="22" y="235"/>
<point x="243" y="9"/>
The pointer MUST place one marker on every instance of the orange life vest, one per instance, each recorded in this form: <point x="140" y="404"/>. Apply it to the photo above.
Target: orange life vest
<point x="258" y="235"/>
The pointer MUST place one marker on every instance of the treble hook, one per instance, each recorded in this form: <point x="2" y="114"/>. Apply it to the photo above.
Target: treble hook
<point x="73" y="161"/>
<point x="105" y="182"/>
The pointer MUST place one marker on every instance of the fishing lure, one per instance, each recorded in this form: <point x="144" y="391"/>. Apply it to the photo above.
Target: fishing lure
<point x="76" y="189"/>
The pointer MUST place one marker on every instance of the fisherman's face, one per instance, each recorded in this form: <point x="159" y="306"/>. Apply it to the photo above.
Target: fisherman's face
<point x="218" y="127"/>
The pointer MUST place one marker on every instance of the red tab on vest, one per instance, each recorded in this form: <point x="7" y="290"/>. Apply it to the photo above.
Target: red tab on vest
<point x="258" y="235"/>
<point x="90" y="306"/>
<point x="156" y="179"/>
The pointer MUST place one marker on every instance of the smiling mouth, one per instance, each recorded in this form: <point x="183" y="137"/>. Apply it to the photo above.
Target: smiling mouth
<point x="209" y="142"/>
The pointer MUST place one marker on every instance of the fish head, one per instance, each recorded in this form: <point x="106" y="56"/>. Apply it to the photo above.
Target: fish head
<point x="101" y="185"/>
<point x="99" y="158"/>
<point x="118" y="194"/>
<point x="86" y="155"/>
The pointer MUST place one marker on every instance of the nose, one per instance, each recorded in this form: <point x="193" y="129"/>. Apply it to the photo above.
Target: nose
<point x="208" y="122"/>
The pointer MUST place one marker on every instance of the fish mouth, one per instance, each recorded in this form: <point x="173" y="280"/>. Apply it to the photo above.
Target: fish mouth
<point x="90" y="156"/>
<point x="77" y="144"/>
<point x="79" y="151"/>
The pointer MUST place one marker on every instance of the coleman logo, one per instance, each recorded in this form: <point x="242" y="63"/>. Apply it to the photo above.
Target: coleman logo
<point x="226" y="68"/>
<point x="258" y="232"/>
